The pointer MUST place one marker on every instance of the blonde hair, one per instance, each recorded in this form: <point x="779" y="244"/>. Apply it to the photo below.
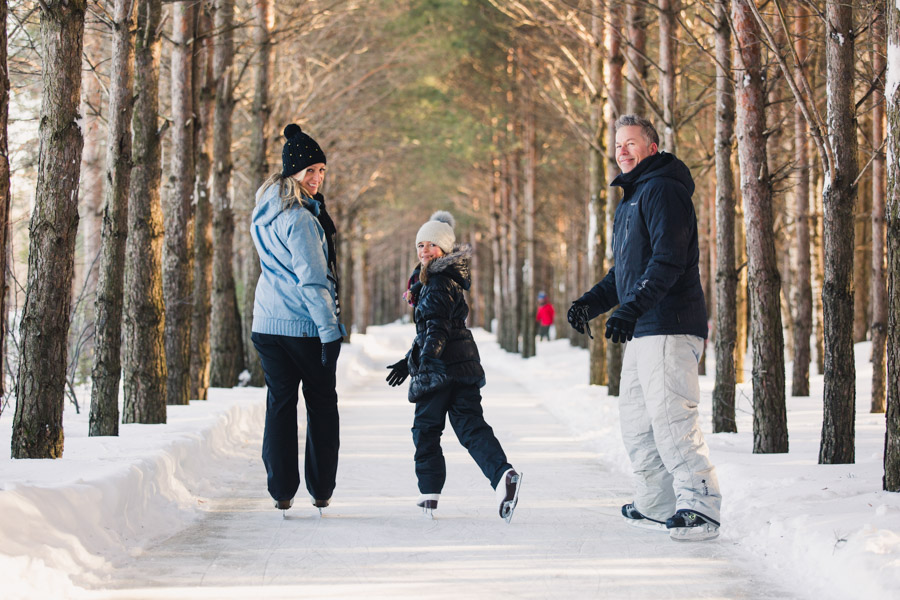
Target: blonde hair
<point x="289" y="190"/>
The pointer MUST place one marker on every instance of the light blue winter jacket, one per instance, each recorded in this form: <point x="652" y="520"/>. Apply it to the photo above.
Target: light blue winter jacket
<point x="295" y="294"/>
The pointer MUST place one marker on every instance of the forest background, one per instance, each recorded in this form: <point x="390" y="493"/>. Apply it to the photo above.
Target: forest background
<point x="129" y="263"/>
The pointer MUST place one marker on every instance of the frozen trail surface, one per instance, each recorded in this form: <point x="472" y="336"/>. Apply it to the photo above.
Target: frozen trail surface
<point x="566" y="540"/>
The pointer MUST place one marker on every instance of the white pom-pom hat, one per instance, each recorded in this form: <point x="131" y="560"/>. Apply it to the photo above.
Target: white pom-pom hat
<point x="438" y="230"/>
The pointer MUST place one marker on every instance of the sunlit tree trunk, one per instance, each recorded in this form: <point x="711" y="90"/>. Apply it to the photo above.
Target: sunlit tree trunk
<point x="203" y="113"/>
<point x="892" y="215"/>
<point x="597" y="185"/>
<point x="37" y="430"/>
<point x="615" y="106"/>
<point x="178" y="214"/>
<point x="226" y="348"/>
<point x="529" y="325"/>
<point x="259" y="172"/>
<point x="769" y="411"/>
<point x="144" y="354"/>
<point x="107" y="366"/>
<point x="668" y="65"/>
<point x="726" y="273"/>
<point x="838" y="197"/>
<point x="637" y="24"/>
<point x="879" y="292"/>
<point x="4" y="191"/>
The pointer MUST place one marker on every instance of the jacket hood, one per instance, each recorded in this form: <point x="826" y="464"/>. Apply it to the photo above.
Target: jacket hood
<point x="268" y="205"/>
<point x="454" y="265"/>
<point x="661" y="164"/>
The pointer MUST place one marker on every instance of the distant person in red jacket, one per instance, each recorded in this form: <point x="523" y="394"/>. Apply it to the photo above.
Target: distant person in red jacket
<point x="544" y="317"/>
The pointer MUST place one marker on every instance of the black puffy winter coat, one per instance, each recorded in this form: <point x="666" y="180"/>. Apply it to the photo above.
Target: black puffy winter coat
<point x="655" y="250"/>
<point x="440" y="313"/>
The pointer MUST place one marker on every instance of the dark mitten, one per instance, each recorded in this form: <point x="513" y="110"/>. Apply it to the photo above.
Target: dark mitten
<point x="430" y="364"/>
<point x="578" y="317"/>
<point x="330" y="352"/>
<point x="620" y="326"/>
<point x="399" y="372"/>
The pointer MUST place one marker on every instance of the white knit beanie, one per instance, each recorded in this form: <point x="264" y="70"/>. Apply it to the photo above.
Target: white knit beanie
<point x="438" y="230"/>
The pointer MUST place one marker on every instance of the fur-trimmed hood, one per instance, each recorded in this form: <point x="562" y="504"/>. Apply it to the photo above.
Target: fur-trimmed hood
<point x="454" y="265"/>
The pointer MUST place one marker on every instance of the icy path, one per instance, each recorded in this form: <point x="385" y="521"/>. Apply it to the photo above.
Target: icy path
<point x="566" y="540"/>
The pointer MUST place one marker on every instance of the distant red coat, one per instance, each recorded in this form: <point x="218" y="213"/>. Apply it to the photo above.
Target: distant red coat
<point x="545" y="314"/>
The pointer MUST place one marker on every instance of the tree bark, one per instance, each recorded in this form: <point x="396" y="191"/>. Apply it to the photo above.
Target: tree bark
<point x="107" y="367"/>
<point x="259" y="172"/>
<point x="203" y="114"/>
<point x="891" y="480"/>
<point x="597" y="185"/>
<point x="668" y="63"/>
<point x="637" y="24"/>
<point x="179" y="219"/>
<point x="878" y="289"/>
<point x="4" y="192"/>
<point x="802" y="288"/>
<point x="144" y="318"/>
<point x="226" y="348"/>
<point x="37" y="425"/>
<point x="726" y="270"/>
<point x="529" y="325"/>
<point x="838" y="197"/>
<point x="769" y="412"/>
<point x="615" y="103"/>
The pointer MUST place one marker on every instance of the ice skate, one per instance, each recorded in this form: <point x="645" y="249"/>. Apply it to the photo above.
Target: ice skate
<point x="283" y="506"/>
<point x="689" y="526"/>
<point x="428" y="502"/>
<point x="508" y="493"/>
<point x="634" y="518"/>
<point x="320" y="504"/>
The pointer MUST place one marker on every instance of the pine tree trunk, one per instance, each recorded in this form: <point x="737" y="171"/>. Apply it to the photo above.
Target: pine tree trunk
<point x="203" y="103"/>
<point x="635" y="55"/>
<point x="495" y="233"/>
<point x="838" y="197"/>
<point x="615" y="98"/>
<point x="879" y="292"/>
<point x="37" y="425"/>
<point x="178" y="255"/>
<point x="92" y="171"/>
<point x="107" y="367"/>
<point x="726" y="273"/>
<point x="817" y="265"/>
<point x="769" y="412"/>
<point x="892" y="214"/>
<point x="515" y="265"/>
<point x="668" y="63"/>
<point x="226" y="348"/>
<point x="597" y="185"/>
<point x="529" y="325"/>
<point x="259" y="171"/>
<point x="144" y="318"/>
<point x="4" y="193"/>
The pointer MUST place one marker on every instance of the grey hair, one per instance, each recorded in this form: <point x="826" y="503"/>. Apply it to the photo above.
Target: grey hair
<point x="647" y="128"/>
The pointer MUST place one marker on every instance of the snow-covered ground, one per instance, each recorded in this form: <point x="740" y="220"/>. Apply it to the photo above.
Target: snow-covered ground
<point x="180" y="510"/>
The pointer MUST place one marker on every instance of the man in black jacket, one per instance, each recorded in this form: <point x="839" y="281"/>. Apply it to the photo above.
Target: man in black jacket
<point x="656" y="283"/>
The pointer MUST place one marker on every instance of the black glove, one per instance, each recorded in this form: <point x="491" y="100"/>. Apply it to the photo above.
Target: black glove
<point x="330" y="352"/>
<point x="430" y="364"/>
<point x="578" y="318"/>
<point x="620" y="326"/>
<point x="399" y="372"/>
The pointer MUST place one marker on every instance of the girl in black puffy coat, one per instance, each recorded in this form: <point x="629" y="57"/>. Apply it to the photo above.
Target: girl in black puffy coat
<point x="446" y="369"/>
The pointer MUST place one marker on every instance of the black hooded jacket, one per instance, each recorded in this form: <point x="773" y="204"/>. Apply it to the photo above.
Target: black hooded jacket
<point x="655" y="251"/>
<point x="440" y="313"/>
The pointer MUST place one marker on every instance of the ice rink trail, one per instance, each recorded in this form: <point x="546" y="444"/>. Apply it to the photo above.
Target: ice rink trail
<point x="566" y="540"/>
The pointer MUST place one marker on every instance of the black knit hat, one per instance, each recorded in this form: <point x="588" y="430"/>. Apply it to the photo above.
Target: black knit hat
<point x="299" y="151"/>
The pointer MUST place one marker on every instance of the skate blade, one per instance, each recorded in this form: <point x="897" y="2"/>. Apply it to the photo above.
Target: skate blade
<point x="694" y="534"/>
<point x="646" y="524"/>
<point x="428" y="514"/>
<point x="284" y="514"/>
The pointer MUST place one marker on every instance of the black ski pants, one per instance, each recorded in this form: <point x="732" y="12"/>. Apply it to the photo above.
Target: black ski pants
<point x="463" y="404"/>
<point x="289" y="362"/>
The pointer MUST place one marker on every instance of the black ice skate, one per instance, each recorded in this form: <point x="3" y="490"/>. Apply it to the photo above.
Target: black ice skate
<point x="508" y="493"/>
<point x="320" y="504"/>
<point x="283" y="505"/>
<point x="428" y="502"/>
<point x="634" y="518"/>
<point x="689" y="526"/>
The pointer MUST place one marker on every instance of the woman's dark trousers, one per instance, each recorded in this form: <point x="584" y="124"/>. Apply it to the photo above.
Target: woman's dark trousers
<point x="288" y="362"/>
<point x="463" y="404"/>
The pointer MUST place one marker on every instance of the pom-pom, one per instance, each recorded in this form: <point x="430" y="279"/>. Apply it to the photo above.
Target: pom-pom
<point x="444" y="217"/>
<point x="292" y="130"/>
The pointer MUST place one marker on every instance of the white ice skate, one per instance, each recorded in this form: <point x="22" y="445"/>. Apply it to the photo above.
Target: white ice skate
<point x="508" y="493"/>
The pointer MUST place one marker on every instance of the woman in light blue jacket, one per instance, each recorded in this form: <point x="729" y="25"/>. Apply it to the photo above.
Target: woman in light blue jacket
<point x="296" y="330"/>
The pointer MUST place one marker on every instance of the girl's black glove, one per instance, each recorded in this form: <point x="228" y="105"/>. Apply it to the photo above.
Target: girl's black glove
<point x="399" y="372"/>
